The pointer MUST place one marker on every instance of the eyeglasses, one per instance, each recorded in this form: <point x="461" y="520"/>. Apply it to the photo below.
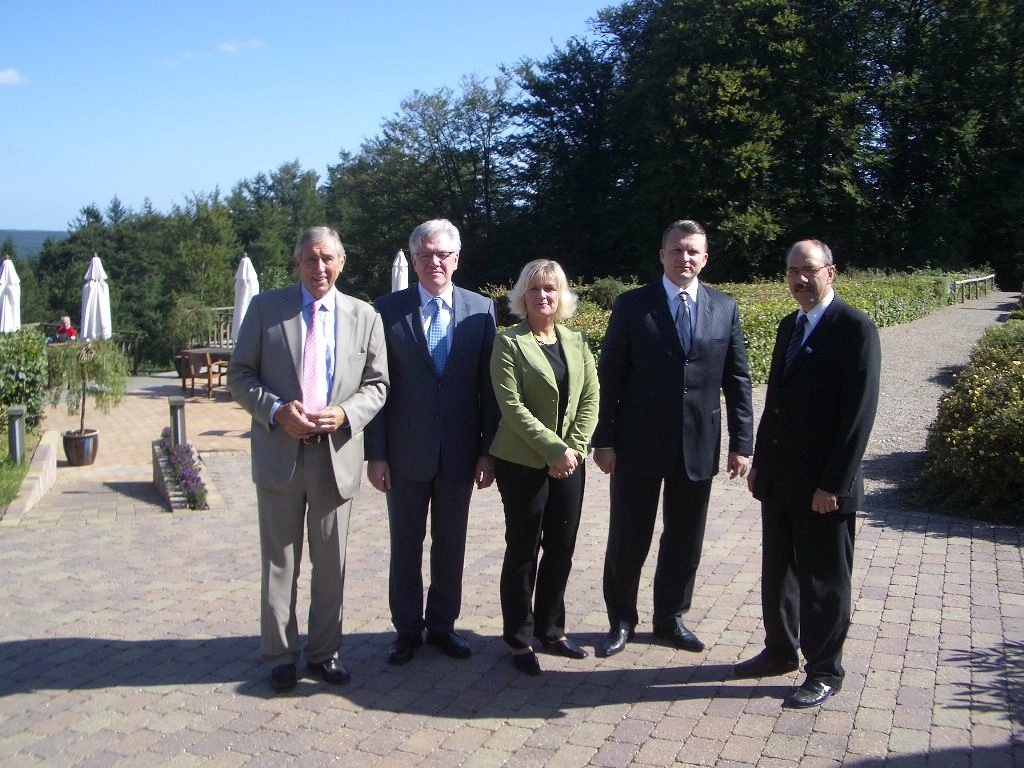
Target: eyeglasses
<point x="806" y="271"/>
<point x="439" y="255"/>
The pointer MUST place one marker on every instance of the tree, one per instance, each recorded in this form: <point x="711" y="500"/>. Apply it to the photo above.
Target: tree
<point x="572" y="168"/>
<point x="442" y="155"/>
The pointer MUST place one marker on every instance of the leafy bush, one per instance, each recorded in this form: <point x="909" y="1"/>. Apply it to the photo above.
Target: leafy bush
<point x="604" y="291"/>
<point x="976" y="445"/>
<point x="499" y="295"/>
<point x="23" y="373"/>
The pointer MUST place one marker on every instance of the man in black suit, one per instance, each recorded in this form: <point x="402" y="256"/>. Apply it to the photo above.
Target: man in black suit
<point x="430" y="443"/>
<point x="671" y="349"/>
<point x="818" y="413"/>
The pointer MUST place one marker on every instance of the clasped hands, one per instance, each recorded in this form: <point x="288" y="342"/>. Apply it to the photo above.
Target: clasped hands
<point x="565" y="465"/>
<point x="296" y="422"/>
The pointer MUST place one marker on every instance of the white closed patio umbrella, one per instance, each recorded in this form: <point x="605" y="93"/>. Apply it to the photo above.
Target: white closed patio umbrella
<point x="96" y="302"/>
<point x="10" y="297"/>
<point x="399" y="272"/>
<point x="247" y="285"/>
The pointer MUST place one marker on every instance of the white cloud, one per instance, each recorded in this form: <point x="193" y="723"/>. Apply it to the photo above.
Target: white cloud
<point x="12" y="77"/>
<point x="232" y="48"/>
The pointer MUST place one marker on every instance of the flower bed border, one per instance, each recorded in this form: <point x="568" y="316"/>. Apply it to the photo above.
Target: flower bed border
<point x="163" y="479"/>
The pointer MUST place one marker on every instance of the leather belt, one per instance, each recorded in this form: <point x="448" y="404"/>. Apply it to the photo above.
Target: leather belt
<point x="315" y="438"/>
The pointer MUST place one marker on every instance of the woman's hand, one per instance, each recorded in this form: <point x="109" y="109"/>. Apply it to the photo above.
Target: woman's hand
<point x="565" y="465"/>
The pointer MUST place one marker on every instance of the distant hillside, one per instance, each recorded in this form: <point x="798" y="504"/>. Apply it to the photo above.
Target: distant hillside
<point x="28" y="242"/>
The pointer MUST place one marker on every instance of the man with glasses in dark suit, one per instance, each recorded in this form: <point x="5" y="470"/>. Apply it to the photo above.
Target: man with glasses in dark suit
<point x="429" y="445"/>
<point x="818" y="413"/>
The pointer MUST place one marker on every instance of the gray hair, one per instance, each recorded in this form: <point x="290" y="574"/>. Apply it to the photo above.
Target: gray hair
<point x="317" y="235"/>
<point x="825" y="250"/>
<point x="430" y="229"/>
<point x="535" y="271"/>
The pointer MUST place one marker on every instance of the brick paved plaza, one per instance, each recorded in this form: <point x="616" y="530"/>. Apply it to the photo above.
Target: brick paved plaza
<point x="129" y="638"/>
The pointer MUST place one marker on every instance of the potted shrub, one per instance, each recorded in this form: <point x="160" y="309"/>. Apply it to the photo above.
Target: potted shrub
<point x="83" y="368"/>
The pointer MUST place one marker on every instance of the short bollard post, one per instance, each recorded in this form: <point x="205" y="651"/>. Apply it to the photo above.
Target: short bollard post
<point x="177" y="421"/>
<point x="16" y="433"/>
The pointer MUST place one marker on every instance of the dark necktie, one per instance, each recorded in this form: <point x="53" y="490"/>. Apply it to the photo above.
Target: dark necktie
<point x="796" y="341"/>
<point x="683" y="324"/>
<point x="437" y="336"/>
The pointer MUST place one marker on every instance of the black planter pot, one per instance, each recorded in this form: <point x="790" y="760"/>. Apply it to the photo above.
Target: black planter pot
<point x="80" y="447"/>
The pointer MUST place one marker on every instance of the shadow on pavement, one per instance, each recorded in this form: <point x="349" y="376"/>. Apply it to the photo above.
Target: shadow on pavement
<point x="483" y="686"/>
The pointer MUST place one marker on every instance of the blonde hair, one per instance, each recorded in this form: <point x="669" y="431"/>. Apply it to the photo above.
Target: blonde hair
<point x="535" y="271"/>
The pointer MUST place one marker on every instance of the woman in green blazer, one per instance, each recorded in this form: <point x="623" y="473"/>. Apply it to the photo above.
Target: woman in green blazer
<point x="545" y="382"/>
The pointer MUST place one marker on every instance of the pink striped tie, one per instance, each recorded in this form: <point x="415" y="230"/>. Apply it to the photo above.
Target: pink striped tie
<point x="314" y="367"/>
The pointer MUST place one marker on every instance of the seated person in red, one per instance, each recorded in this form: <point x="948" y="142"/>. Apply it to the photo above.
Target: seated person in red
<point x="65" y="332"/>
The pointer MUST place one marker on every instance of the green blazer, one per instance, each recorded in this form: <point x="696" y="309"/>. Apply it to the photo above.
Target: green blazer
<point x="528" y="397"/>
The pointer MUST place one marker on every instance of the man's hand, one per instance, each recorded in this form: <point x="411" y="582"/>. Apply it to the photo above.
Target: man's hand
<point x="292" y="418"/>
<point x="484" y="474"/>
<point x="738" y="464"/>
<point x="379" y="474"/>
<point x="605" y="460"/>
<point x="824" y="502"/>
<point x="330" y="419"/>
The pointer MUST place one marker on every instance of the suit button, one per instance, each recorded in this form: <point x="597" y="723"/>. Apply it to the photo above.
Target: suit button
<point x="775" y="411"/>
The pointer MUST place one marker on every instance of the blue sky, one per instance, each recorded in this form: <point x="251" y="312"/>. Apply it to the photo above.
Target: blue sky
<point x="162" y="99"/>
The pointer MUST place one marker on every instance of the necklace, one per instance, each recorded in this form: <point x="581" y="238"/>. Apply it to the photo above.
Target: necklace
<point x="546" y="339"/>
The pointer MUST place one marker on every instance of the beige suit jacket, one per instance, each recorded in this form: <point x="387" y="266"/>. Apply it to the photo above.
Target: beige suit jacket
<point x="266" y="367"/>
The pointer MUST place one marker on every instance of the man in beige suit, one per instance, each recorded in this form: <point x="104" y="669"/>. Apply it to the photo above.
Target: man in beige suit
<point x="310" y="366"/>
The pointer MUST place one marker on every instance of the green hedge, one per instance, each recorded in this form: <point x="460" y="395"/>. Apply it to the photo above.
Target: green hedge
<point x="976" y="445"/>
<point x="889" y="299"/>
<point x="22" y="374"/>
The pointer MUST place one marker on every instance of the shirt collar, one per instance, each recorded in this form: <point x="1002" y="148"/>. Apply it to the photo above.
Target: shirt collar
<point x="819" y="309"/>
<point x="326" y="303"/>
<point x="672" y="290"/>
<point x="447" y="296"/>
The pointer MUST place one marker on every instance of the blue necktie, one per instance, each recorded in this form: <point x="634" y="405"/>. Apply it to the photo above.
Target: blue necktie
<point x="796" y="341"/>
<point x="437" y="335"/>
<point x="683" y="324"/>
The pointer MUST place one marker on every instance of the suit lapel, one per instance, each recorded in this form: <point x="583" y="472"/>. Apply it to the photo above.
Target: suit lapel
<point x="414" y="322"/>
<point x="819" y="336"/>
<point x="291" y="320"/>
<point x="534" y="355"/>
<point x="662" y="316"/>
<point x="705" y="314"/>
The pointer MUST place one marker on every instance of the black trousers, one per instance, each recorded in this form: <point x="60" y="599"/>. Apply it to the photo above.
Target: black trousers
<point x="634" y="509"/>
<point x="542" y="514"/>
<point x="806" y="575"/>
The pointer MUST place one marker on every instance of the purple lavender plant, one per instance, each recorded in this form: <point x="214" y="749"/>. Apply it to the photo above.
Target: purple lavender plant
<point x="184" y="471"/>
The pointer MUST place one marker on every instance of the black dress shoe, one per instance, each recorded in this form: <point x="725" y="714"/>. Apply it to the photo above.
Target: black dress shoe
<point x="283" y="677"/>
<point x="679" y="636"/>
<point x="616" y="639"/>
<point x="565" y="647"/>
<point x="526" y="663"/>
<point x="331" y="671"/>
<point x="450" y="644"/>
<point x="810" y="694"/>
<point x="764" y="664"/>
<point x="405" y="645"/>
